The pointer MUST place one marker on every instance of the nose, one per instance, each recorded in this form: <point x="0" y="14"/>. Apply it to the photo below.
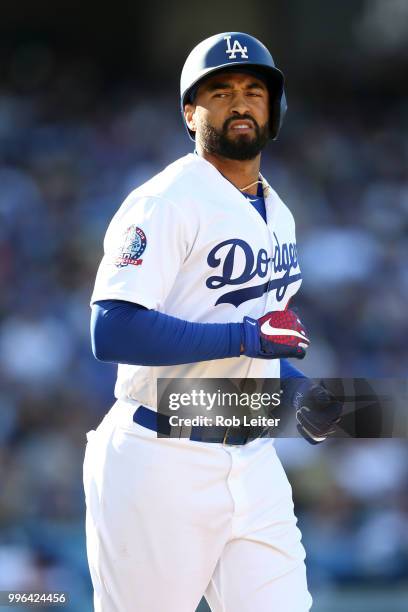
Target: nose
<point x="239" y="103"/>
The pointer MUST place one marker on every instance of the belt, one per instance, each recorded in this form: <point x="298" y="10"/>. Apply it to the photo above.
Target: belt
<point x="158" y="422"/>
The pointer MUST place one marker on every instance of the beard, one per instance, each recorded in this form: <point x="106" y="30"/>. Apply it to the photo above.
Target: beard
<point x="241" y="147"/>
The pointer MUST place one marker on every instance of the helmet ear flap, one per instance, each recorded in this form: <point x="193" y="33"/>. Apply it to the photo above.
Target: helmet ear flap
<point x="277" y="112"/>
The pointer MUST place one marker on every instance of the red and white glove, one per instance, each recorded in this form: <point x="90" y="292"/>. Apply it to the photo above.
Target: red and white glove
<point x="276" y="335"/>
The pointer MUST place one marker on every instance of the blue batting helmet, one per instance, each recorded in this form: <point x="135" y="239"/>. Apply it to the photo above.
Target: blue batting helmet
<point x="239" y="52"/>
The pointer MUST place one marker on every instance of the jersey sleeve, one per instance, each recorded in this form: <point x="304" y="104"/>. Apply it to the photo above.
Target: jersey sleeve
<point x="144" y="248"/>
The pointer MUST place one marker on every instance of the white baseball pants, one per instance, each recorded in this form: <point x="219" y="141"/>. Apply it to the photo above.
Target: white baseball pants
<point x="169" y="520"/>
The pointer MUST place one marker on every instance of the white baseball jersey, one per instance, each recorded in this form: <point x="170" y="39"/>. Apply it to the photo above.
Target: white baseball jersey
<point x="189" y="244"/>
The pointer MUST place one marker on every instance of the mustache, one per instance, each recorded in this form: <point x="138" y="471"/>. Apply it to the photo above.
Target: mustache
<point x="228" y="121"/>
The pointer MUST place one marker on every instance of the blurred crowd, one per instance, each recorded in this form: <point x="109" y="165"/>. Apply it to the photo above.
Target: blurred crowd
<point x="68" y="156"/>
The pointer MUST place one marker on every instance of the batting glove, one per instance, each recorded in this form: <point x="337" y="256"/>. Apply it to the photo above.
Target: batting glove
<point x="276" y="335"/>
<point x="317" y="410"/>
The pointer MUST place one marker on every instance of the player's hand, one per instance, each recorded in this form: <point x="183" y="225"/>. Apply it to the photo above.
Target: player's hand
<point x="317" y="411"/>
<point x="276" y="335"/>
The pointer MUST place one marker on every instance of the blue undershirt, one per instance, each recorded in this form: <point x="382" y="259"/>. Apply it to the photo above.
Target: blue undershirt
<point x="123" y="332"/>
<point x="257" y="201"/>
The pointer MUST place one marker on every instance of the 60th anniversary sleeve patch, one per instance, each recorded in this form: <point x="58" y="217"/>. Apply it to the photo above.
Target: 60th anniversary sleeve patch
<point x="134" y="245"/>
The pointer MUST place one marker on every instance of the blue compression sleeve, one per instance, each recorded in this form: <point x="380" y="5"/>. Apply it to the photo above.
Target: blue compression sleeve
<point x="123" y="332"/>
<point x="293" y="381"/>
<point x="287" y="370"/>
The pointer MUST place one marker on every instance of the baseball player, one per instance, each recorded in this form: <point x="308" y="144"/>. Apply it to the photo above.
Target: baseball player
<point x="199" y="265"/>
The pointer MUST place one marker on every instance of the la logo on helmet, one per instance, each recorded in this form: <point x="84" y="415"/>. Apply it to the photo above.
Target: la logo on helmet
<point x="236" y="48"/>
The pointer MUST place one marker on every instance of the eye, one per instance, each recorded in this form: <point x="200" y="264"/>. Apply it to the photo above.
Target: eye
<point x="221" y="94"/>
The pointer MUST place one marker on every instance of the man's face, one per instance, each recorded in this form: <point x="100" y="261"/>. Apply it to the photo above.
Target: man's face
<point x="230" y="115"/>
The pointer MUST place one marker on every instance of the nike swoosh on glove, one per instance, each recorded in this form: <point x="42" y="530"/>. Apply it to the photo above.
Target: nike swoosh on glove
<point x="317" y="411"/>
<point x="276" y="335"/>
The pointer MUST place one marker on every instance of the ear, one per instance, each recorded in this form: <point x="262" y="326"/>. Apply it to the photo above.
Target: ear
<point x="189" y="115"/>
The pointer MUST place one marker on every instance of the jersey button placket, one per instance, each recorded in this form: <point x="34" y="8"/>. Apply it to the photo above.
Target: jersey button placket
<point x="270" y="281"/>
<point x="270" y="215"/>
